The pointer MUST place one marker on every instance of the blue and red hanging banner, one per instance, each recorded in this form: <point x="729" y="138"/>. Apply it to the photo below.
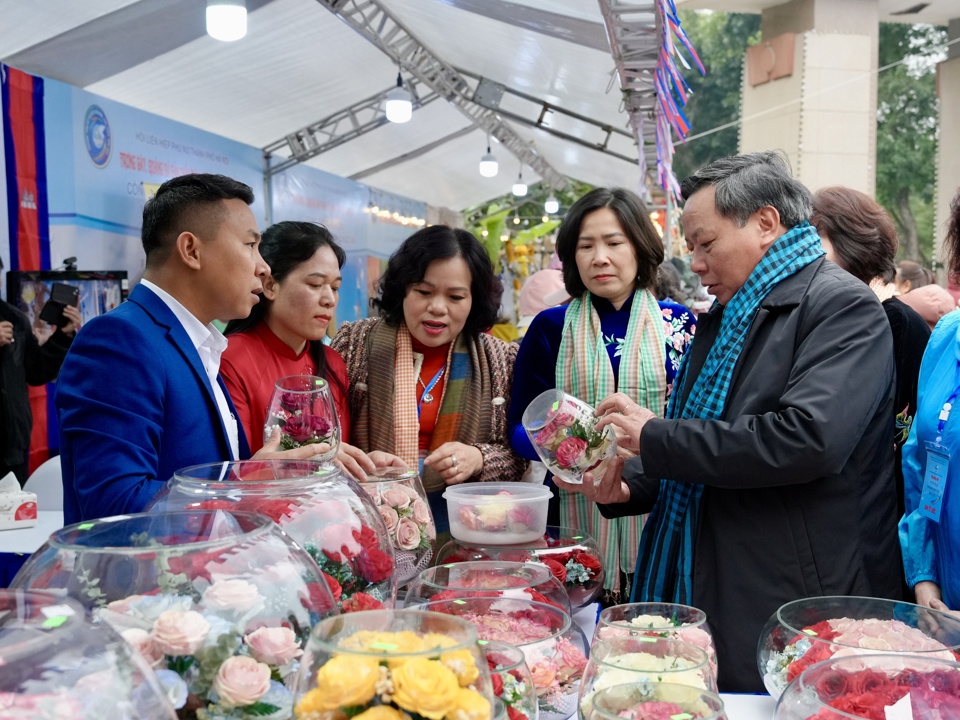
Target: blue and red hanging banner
<point x="26" y="175"/>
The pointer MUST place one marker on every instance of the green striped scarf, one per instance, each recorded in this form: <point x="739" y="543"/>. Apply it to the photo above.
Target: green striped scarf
<point x="584" y="371"/>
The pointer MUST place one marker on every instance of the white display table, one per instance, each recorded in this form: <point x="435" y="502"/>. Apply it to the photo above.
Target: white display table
<point x="29" y="540"/>
<point x="748" y="707"/>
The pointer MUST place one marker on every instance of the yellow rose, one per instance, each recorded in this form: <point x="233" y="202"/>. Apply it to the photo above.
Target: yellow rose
<point x="387" y="643"/>
<point x="382" y="712"/>
<point x="469" y="705"/>
<point x="463" y="666"/>
<point x="345" y="681"/>
<point x="425" y="687"/>
<point x="309" y="708"/>
<point x="436" y="640"/>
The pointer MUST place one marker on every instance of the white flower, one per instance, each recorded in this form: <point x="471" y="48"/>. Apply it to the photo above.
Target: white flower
<point x="174" y="686"/>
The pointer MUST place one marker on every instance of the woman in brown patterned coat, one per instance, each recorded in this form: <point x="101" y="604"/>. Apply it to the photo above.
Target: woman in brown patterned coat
<point x="426" y="382"/>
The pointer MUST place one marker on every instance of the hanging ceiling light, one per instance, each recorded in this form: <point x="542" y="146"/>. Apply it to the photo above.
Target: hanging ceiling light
<point x="551" y="205"/>
<point x="399" y="105"/>
<point x="226" y="19"/>
<point x="488" y="163"/>
<point x="520" y="187"/>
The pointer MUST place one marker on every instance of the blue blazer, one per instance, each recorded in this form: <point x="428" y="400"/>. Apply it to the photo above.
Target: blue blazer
<point x="134" y="405"/>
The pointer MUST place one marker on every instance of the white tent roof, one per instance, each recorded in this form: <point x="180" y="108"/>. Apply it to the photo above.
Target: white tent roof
<point x="300" y="63"/>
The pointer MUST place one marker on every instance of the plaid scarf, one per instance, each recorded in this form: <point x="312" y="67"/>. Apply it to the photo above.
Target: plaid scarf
<point x="393" y="426"/>
<point x="584" y="371"/>
<point x="665" y="570"/>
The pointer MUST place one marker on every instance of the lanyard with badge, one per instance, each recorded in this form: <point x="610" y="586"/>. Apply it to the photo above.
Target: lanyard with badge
<point x="938" y="461"/>
<point x="427" y="397"/>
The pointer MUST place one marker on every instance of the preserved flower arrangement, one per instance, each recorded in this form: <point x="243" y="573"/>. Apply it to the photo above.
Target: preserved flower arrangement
<point x="399" y="497"/>
<point x="59" y="666"/>
<point x="484" y="578"/>
<point x="875" y="687"/>
<point x="323" y="510"/>
<point x="618" y="661"/>
<point x="394" y="664"/>
<point x="667" y="620"/>
<point x="224" y="601"/>
<point x="512" y="681"/>
<point x="302" y="407"/>
<point x="554" y="649"/>
<point x="654" y="701"/>
<point x="572" y="556"/>
<point x="563" y="432"/>
<point x="805" y="632"/>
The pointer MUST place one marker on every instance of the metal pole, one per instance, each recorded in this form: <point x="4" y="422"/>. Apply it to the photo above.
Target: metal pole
<point x="267" y="191"/>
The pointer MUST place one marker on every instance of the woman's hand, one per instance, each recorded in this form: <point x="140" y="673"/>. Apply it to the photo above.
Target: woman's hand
<point x="455" y="462"/>
<point x="927" y="592"/>
<point x="74" y="320"/>
<point x="607" y="490"/>
<point x="942" y="607"/>
<point x="354" y="461"/>
<point x="386" y="460"/>
<point x="271" y="449"/>
<point x="626" y="417"/>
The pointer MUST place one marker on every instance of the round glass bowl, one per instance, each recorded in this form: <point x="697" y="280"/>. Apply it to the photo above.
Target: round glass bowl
<point x="867" y="687"/>
<point x="59" y="666"/>
<point x="424" y="664"/>
<point x="323" y="510"/>
<point x="224" y="600"/>
<point x="495" y="513"/>
<point x="512" y="682"/>
<point x="487" y="578"/>
<point x="667" y="620"/>
<point x="653" y="701"/>
<point x="399" y="497"/>
<point x="572" y="556"/>
<point x="804" y="632"/>
<point x="554" y="648"/>
<point x="562" y="431"/>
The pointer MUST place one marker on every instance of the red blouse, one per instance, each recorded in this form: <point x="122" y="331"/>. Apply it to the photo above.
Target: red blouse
<point x="253" y="362"/>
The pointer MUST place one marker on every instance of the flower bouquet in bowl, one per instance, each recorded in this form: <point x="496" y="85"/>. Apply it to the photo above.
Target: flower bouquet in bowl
<point x="563" y="432"/>
<point x="322" y="509"/>
<point x="225" y="601"/>
<point x="554" y="648"/>
<point x="618" y="661"/>
<point x="512" y="681"/>
<point x="57" y="665"/>
<point x="572" y="556"/>
<point x="804" y="632"/>
<point x="874" y="687"/>
<point x="394" y="664"/>
<point x="401" y="501"/>
<point x="653" y="701"/>
<point x="666" y="620"/>
<point x="487" y="578"/>
<point x="302" y="407"/>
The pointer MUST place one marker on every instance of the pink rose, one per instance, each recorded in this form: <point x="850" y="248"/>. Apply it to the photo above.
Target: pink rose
<point x="408" y="534"/>
<point x="241" y="681"/>
<point x="468" y="518"/>
<point x="544" y="674"/>
<point x="145" y="645"/>
<point x="273" y="645"/>
<point x="522" y="517"/>
<point x="571" y="656"/>
<point x="180" y="632"/>
<point x="389" y="515"/>
<point x="231" y="594"/>
<point x="545" y="437"/>
<point x="571" y="451"/>
<point x="397" y="498"/>
<point x="421" y="512"/>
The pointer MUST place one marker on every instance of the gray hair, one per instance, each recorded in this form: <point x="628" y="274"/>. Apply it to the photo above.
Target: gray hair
<point x="746" y="183"/>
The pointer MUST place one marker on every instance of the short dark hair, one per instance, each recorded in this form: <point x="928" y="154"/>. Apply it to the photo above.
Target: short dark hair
<point x="284" y="246"/>
<point x="860" y="230"/>
<point x="408" y="265"/>
<point x="952" y="241"/>
<point x="186" y="203"/>
<point x="746" y="183"/>
<point x="634" y="219"/>
<point x="915" y="273"/>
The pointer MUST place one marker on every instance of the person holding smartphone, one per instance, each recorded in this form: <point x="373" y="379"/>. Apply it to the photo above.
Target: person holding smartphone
<point x="25" y="360"/>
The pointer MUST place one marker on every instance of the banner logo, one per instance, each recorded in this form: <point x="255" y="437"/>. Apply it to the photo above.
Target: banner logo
<point x="96" y="133"/>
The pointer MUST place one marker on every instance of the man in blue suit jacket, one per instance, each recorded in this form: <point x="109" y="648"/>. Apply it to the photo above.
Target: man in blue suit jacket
<point x="139" y="394"/>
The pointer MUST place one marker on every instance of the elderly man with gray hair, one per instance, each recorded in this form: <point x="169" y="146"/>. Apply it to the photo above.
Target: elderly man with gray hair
<point x="771" y="478"/>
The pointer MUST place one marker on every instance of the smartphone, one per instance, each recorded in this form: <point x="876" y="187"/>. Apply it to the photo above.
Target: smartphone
<point x="61" y="295"/>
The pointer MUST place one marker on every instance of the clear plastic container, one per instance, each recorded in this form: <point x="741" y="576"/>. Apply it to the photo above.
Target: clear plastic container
<point x="497" y="513"/>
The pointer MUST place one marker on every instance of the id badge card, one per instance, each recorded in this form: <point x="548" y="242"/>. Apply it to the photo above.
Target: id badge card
<point x="934" y="477"/>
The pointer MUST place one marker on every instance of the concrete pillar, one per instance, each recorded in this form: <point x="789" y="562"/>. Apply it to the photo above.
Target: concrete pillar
<point x="823" y="111"/>
<point x="948" y="148"/>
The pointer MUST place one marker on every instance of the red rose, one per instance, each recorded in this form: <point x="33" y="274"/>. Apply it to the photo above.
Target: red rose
<point x="497" y="683"/>
<point x="541" y="598"/>
<point x="334" y="586"/>
<point x="320" y="425"/>
<point x="562" y="558"/>
<point x="275" y="509"/>
<point x="299" y="428"/>
<point x="592" y="564"/>
<point x="193" y="565"/>
<point x="514" y="714"/>
<point x="833" y="684"/>
<point x="558" y="570"/>
<point x="361" y="601"/>
<point x="319" y="598"/>
<point x="945" y="682"/>
<point x="867" y="681"/>
<point x="374" y="565"/>
<point x="366" y="537"/>
<point x="571" y="452"/>
<point x="817" y="652"/>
